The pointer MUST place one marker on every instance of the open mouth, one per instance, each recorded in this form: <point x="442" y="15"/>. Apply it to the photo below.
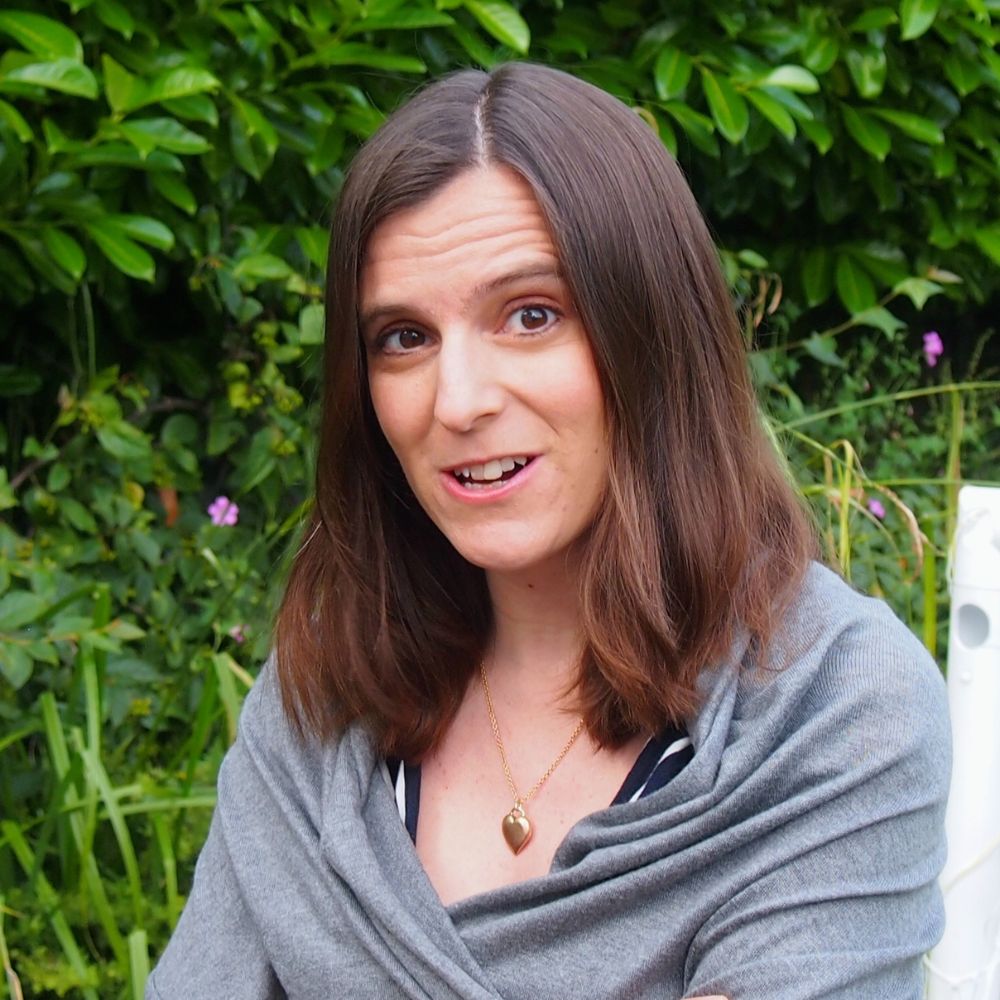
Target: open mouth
<point x="491" y="474"/>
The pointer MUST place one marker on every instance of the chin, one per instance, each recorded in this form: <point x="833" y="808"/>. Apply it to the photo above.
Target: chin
<point x="499" y="558"/>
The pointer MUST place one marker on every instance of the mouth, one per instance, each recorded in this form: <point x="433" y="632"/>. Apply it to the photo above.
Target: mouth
<point x="492" y="474"/>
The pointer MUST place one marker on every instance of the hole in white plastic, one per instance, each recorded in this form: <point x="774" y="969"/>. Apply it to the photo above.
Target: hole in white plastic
<point x="973" y="625"/>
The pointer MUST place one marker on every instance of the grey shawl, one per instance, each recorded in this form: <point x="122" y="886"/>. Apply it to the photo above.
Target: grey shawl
<point x="794" y="857"/>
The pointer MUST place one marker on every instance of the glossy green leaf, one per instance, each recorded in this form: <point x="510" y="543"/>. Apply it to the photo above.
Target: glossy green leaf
<point x="916" y="16"/>
<point x="40" y="35"/>
<point x="175" y="191"/>
<point x="63" y="75"/>
<point x="124" y="441"/>
<point x="262" y="267"/>
<point x="873" y="19"/>
<point x="475" y="48"/>
<point x="20" y="608"/>
<point x="116" y="16"/>
<point x="774" y="112"/>
<point x="124" y="253"/>
<point x="823" y="348"/>
<point x="964" y="74"/>
<point x="988" y="240"/>
<point x="15" y="665"/>
<point x="38" y="256"/>
<point x="311" y="324"/>
<point x="65" y="251"/>
<point x="502" y="21"/>
<point x="121" y="88"/>
<point x="918" y="290"/>
<point x="147" y="134"/>
<point x="854" y="285"/>
<point x="945" y="161"/>
<point x="126" y="92"/>
<point x="729" y="109"/>
<point x="794" y="104"/>
<point x="820" y="53"/>
<point x="868" y="69"/>
<point x="817" y="275"/>
<point x="698" y="128"/>
<point x="358" y="54"/>
<point x="402" y="19"/>
<point x="257" y="125"/>
<point x="879" y="318"/>
<point x="144" y="229"/>
<point x="16" y="121"/>
<point x="671" y="72"/>
<point x="315" y="242"/>
<point x="195" y="107"/>
<point x="180" y="82"/>
<point x="819" y="135"/>
<point x="915" y="126"/>
<point x="795" y="78"/>
<point x="866" y="132"/>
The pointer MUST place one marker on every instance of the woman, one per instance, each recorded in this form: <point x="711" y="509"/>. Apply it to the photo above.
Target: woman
<point x="560" y="706"/>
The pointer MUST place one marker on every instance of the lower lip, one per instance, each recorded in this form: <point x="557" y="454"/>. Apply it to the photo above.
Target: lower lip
<point x="491" y="494"/>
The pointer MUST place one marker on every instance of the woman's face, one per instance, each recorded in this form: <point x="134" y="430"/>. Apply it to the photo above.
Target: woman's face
<point x="477" y="362"/>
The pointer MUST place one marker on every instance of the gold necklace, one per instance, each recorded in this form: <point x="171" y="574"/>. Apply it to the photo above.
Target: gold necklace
<point x="516" y="827"/>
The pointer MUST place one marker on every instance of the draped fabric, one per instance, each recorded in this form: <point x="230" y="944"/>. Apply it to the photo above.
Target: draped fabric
<point x="795" y="856"/>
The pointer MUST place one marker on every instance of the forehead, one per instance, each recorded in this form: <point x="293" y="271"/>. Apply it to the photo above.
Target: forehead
<point x="487" y="217"/>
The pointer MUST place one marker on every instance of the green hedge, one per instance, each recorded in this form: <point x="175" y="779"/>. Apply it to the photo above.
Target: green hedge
<point x="166" y="175"/>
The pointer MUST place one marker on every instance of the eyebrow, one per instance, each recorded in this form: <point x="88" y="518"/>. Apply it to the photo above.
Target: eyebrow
<point x="545" y="271"/>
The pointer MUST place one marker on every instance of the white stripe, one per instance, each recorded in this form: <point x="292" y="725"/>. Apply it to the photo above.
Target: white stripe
<point x="675" y="747"/>
<point x="401" y="791"/>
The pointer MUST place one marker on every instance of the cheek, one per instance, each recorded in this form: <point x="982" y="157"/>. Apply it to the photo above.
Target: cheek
<point x="391" y="416"/>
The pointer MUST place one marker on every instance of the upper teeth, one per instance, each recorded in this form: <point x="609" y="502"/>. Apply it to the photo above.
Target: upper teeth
<point x="492" y="470"/>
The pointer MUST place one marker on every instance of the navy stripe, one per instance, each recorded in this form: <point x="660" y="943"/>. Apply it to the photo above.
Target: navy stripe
<point x="411" y="775"/>
<point x="649" y="773"/>
<point x="642" y="772"/>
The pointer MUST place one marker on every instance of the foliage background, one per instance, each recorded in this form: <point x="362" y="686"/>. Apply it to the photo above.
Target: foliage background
<point x="167" y="169"/>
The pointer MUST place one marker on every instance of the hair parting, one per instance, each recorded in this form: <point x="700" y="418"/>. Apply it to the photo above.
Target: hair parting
<point x="700" y="540"/>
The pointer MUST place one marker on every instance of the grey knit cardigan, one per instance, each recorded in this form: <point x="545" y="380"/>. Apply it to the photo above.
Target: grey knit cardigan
<point x="795" y="857"/>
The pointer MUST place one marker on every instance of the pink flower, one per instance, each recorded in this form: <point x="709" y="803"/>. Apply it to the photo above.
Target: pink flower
<point x="237" y="634"/>
<point x="875" y="506"/>
<point x="223" y="511"/>
<point x="933" y="347"/>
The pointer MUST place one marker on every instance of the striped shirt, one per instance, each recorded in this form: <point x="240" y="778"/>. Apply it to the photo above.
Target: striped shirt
<point x="662" y="758"/>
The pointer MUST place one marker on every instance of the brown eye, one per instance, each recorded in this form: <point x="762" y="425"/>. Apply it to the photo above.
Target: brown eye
<point x="399" y="341"/>
<point x="534" y="317"/>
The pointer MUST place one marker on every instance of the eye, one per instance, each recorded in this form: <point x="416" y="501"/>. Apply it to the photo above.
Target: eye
<point x="533" y="319"/>
<point x="400" y="341"/>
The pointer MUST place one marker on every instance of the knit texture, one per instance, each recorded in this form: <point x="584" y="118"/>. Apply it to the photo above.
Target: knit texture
<point x="795" y="857"/>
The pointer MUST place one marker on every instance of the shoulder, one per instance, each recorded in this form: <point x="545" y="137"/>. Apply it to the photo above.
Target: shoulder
<point x="850" y="686"/>
<point x="270" y="755"/>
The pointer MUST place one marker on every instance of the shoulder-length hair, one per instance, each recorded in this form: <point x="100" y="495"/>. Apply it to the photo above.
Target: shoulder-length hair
<point x="700" y="536"/>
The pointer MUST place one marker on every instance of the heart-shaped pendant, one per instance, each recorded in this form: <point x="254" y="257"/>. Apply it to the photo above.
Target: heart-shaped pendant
<point x="516" y="829"/>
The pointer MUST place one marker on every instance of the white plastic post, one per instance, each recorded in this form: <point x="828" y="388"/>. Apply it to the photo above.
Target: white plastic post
<point x="966" y="964"/>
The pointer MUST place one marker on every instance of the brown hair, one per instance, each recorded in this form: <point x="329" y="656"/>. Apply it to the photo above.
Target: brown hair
<point x="700" y="535"/>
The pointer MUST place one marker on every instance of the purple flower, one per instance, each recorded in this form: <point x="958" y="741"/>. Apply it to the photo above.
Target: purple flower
<point x="875" y="506"/>
<point x="933" y="348"/>
<point x="223" y="511"/>
<point x="237" y="634"/>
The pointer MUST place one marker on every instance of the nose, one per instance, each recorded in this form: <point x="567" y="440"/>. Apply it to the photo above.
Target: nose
<point x="468" y="389"/>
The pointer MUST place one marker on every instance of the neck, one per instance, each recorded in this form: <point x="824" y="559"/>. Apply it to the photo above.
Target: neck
<point x="537" y="638"/>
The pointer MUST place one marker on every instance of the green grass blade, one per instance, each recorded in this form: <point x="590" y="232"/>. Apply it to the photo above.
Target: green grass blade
<point x="96" y="773"/>
<point x="138" y="960"/>
<point x="71" y="805"/>
<point x="930" y="600"/>
<point x="49" y="899"/>
<point x="13" y="983"/>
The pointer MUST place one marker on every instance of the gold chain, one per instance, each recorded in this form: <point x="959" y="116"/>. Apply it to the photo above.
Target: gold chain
<point x="518" y="799"/>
